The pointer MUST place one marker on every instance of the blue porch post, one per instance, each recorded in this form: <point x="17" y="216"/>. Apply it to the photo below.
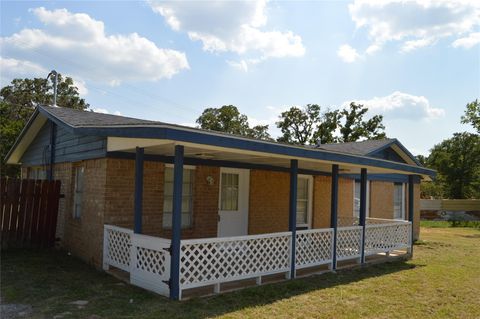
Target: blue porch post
<point x="363" y="208"/>
<point x="410" y="207"/>
<point x="176" y="223"/>
<point x="334" y="213"/>
<point x="138" y="200"/>
<point x="292" y="222"/>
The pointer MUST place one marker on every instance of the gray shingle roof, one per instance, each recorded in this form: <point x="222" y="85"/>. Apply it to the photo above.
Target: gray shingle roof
<point x="77" y="118"/>
<point x="357" y="148"/>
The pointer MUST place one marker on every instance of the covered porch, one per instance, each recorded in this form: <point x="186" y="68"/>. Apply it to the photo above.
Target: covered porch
<point x="174" y="266"/>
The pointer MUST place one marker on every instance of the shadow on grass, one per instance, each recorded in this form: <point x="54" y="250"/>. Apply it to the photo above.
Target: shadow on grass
<point x="50" y="280"/>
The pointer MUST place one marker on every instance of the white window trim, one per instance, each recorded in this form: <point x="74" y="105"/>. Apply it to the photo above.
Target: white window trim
<point x="310" y="200"/>
<point x="403" y="200"/>
<point x="368" y="199"/>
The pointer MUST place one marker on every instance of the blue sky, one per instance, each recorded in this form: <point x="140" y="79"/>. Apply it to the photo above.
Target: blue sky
<point x="415" y="62"/>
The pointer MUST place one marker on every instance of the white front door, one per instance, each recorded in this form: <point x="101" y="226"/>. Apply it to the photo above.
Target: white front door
<point x="233" y="202"/>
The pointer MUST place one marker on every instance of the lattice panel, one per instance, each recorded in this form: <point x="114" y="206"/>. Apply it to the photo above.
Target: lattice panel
<point x="383" y="238"/>
<point x="349" y="242"/>
<point x="150" y="260"/>
<point x="313" y="248"/>
<point x="217" y="261"/>
<point x="119" y="243"/>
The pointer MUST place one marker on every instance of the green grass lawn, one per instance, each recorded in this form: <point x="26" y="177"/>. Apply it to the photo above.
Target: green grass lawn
<point x="442" y="281"/>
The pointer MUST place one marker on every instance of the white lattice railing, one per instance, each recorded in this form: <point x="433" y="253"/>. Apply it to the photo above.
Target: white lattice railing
<point x="116" y="247"/>
<point x="349" y="242"/>
<point x="150" y="263"/>
<point x="216" y="260"/>
<point x="313" y="247"/>
<point x="387" y="237"/>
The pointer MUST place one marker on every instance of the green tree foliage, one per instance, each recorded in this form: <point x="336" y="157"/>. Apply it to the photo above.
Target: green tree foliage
<point x="229" y="120"/>
<point x="472" y="115"/>
<point x="308" y="125"/>
<point x="17" y="103"/>
<point x="298" y="125"/>
<point x="458" y="166"/>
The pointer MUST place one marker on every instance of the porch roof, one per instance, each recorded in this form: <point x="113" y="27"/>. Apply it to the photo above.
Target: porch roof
<point x="124" y="134"/>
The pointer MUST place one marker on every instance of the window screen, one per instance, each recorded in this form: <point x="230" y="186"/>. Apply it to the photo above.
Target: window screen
<point x="187" y="198"/>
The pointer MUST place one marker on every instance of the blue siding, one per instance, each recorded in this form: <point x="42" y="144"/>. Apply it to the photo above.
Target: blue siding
<point x="68" y="147"/>
<point x="389" y="154"/>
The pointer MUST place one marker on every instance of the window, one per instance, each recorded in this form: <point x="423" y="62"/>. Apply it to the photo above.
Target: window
<point x="399" y="201"/>
<point x="356" y="199"/>
<point x="304" y="200"/>
<point x="78" y="194"/>
<point x="187" y="197"/>
<point x="229" y="197"/>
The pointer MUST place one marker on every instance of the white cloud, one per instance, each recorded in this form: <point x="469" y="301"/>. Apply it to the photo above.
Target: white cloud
<point x="77" y="44"/>
<point x="400" y="105"/>
<point x="230" y="26"/>
<point x="416" y="23"/>
<point x="347" y="53"/>
<point x="467" y="42"/>
<point x="12" y="68"/>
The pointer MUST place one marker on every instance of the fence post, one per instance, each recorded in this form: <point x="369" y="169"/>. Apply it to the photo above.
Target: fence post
<point x="106" y="265"/>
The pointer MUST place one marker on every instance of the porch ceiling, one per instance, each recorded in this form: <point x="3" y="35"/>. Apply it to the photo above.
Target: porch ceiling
<point x="207" y="152"/>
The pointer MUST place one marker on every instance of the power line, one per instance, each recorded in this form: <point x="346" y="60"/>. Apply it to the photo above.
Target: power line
<point x="102" y="90"/>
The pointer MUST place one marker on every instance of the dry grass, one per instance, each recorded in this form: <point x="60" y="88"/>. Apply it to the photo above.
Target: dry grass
<point x="442" y="281"/>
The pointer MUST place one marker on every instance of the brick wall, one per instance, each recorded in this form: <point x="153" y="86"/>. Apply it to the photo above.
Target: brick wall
<point x="84" y="236"/>
<point x="120" y="198"/>
<point x="381" y="199"/>
<point x="269" y="200"/>
<point x="322" y="200"/>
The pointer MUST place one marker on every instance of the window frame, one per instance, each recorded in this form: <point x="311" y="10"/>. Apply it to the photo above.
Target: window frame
<point x="368" y="198"/>
<point x="402" y="199"/>
<point x="77" y="214"/>
<point x="191" y="169"/>
<point x="309" y="178"/>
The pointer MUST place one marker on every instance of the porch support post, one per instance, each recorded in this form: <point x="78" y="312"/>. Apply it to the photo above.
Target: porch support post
<point x="410" y="208"/>
<point x="292" y="222"/>
<point x="363" y="208"/>
<point x="138" y="200"/>
<point x="176" y="223"/>
<point x="334" y="213"/>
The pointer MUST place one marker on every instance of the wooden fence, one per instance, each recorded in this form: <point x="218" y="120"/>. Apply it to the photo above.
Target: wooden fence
<point x="29" y="210"/>
<point x="450" y="204"/>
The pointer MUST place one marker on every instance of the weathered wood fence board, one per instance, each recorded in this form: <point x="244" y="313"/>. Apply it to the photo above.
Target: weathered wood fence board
<point x="29" y="210"/>
<point x="450" y="204"/>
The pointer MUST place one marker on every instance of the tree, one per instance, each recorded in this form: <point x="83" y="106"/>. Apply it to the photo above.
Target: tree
<point x="229" y="120"/>
<point x="354" y="127"/>
<point x="17" y="103"/>
<point x="309" y="125"/>
<point x="472" y="115"/>
<point x="457" y="163"/>
<point x="299" y="125"/>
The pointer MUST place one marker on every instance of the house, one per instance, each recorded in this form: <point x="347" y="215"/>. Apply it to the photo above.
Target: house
<point x="179" y="208"/>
